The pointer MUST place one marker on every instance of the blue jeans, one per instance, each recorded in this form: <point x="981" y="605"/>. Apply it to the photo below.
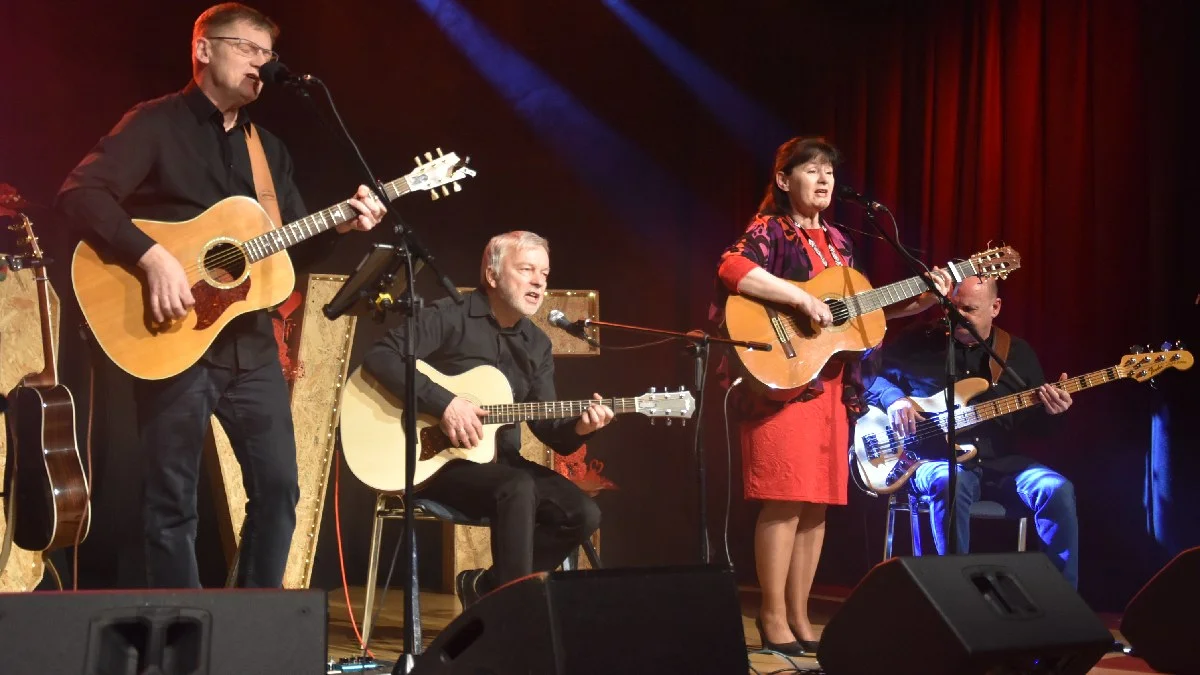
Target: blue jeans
<point x="1045" y="492"/>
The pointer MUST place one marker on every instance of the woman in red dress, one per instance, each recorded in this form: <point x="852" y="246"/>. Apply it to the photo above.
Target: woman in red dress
<point x="794" y="452"/>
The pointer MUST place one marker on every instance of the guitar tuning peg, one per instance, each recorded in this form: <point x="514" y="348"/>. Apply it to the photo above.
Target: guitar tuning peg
<point x="669" y="424"/>
<point x="429" y="156"/>
<point x="445" y="191"/>
<point x="458" y="188"/>
<point x="653" y="388"/>
<point x="417" y="159"/>
<point x="1135" y="349"/>
<point x="1166" y="346"/>
<point x="1180" y="345"/>
<point x="682" y="389"/>
<point x="439" y="152"/>
<point x="433" y="194"/>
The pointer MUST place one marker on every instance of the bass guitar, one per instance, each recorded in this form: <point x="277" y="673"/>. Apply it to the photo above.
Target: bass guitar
<point x="885" y="461"/>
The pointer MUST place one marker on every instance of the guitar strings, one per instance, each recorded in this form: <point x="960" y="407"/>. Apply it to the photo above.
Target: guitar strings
<point x="239" y="250"/>
<point x="970" y="416"/>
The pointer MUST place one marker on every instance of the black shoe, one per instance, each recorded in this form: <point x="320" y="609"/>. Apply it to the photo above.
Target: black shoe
<point x="792" y="648"/>
<point x="466" y="587"/>
<point x="809" y="646"/>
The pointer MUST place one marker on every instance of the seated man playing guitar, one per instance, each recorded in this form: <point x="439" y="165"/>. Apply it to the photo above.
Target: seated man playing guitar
<point x="914" y="366"/>
<point x="537" y="516"/>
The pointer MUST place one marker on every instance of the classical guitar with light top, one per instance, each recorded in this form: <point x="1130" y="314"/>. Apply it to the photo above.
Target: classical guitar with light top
<point x="801" y="348"/>
<point x="885" y="461"/>
<point x="228" y="253"/>
<point x="372" y="423"/>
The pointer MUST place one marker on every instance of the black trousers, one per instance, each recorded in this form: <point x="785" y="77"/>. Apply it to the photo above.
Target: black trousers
<point x="537" y="516"/>
<point x="173" y="418"/>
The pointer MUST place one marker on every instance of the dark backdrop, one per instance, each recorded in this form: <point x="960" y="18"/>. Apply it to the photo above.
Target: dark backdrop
<point x="1057" y="127"/>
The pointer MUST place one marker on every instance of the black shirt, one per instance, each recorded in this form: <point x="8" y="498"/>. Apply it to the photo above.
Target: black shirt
<point x="170" y="159"/>
<point x="915" y="366"/>
<point x="454" y="338"/>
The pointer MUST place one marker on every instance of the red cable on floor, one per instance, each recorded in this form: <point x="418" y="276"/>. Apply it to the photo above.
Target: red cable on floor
<point x="337" y="520"/>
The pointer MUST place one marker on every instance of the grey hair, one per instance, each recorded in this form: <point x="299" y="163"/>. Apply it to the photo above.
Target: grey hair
<point x="501" y="244"/>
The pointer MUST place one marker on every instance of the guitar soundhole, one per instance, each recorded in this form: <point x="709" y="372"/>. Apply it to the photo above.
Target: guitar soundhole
<point x="225" y="263"/>
<point x="839" y="310"/>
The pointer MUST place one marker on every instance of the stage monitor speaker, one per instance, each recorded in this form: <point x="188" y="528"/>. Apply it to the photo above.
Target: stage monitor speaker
<point x="964" y="615"/>
<point x="592" y="622"/>
<point x="163" y="632"/>
<point x="1161" y="622"/>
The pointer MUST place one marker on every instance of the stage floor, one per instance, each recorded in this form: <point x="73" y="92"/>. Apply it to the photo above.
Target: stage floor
<point x="439" y="609"/>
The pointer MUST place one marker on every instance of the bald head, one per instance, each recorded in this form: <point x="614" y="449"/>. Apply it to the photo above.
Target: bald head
<point x="979" y="300"/>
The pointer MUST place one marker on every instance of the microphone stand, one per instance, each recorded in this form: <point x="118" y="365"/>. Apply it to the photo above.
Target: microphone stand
<point x="408" y="249"/>
<point x="954" y="317"/>
<point x="698" y="347"/>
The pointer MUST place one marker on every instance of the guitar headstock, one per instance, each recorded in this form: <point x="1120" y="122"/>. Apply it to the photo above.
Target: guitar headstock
<point x="12" y="206"/>
<point x="1142" y="365"/>
<point x="669" y="404"/>
<point x="998" y="262"/>
<point x="438" y="172"/>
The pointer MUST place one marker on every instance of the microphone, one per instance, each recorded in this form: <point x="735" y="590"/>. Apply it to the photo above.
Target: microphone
<point x="557" y="318"/>
<point x="275" y="72"/>
<point x="846" y="193"/>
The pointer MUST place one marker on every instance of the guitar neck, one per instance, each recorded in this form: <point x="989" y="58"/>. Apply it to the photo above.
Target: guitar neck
<point x="270" y="243"/>
<point x="512" y="413"/>
<point x="982" y="412"/>
<point x="49" y="375"/>
<point x="876" y="298"/>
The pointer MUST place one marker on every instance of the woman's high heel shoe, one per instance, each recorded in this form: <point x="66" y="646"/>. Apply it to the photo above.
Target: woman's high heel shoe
<point x="809" y="646"/>
<point x="792" y="648"/>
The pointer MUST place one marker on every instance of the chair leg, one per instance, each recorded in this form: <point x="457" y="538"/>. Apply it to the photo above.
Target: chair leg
<point x="590" y="551"/>
<point x="888" y="532"/>
<point x="914" y="524"/>
<point x="373" y="567"/>
<point x="1022" y="534"/>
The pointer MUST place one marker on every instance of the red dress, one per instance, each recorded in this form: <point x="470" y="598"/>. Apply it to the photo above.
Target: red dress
<point x="799" y="452"/>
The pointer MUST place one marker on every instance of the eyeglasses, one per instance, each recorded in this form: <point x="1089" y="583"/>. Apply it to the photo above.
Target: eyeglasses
<point x="248" y="48"/>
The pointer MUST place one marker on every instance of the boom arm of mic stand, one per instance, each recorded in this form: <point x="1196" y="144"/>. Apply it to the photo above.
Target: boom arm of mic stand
<point x="748" y="344"/>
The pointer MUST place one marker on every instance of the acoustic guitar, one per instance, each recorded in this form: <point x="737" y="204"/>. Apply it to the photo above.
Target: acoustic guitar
<point x="885" y="461"/>
<point x="801" y="348"/>
<point x="229" y="255"/>
<point x="372" y="424"/>
<point x="51" y="506"/>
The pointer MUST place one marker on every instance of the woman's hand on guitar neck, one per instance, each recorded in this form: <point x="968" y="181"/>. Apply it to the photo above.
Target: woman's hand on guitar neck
<point x="167" y="283"/>
<point x="461" y="423"/>
<point x="812" y="308"/>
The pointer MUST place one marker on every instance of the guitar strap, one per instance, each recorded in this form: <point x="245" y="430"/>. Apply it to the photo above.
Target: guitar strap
<point x="264" y="186"/>
<point x="1000" y="345"/>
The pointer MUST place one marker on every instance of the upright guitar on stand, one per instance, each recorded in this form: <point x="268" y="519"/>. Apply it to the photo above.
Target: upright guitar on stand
<point x="228" y="253"/>
<point x="51" y="500"/>
<point x="800" y="348"/>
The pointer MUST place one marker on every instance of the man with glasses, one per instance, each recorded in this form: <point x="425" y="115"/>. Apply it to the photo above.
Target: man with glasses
<point x="169" y="159"/>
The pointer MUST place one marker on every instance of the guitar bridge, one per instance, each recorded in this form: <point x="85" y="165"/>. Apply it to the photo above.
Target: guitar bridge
<point x="781" y="333"/>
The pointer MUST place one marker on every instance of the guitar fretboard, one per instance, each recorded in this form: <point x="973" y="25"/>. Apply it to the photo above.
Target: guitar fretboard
<point x="511" y="413"/>
<point x="270" y="243"/>
<point x="869" y="301"/>
<point x="981" y="412"/>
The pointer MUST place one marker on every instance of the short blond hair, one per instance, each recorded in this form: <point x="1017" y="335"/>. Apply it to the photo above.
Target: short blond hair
<point x="500" y="245"/>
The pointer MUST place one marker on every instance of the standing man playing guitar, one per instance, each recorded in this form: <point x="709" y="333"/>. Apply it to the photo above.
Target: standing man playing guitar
<point x="169" y="159"/>
<point x="915" y="365"/>
<point x="794" y="441"/>
<point x="537" y="516"/>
